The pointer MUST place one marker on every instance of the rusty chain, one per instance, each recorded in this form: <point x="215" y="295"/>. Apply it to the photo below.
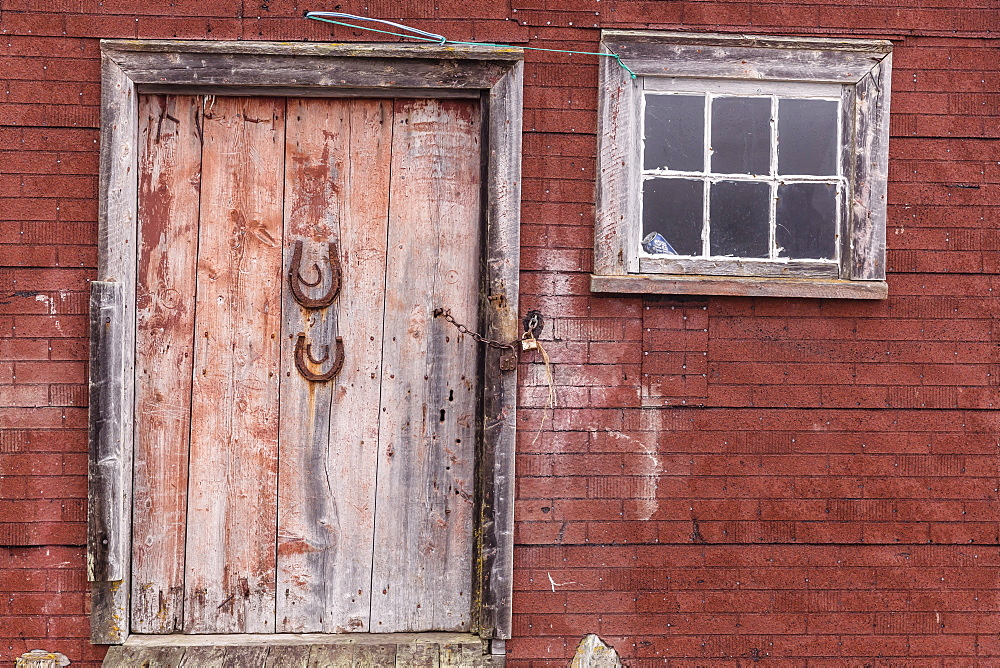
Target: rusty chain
<point x="446" y="314"/>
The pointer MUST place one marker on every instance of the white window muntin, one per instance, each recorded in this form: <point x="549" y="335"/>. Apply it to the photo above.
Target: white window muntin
<point x="775" y="90"/>
<point x="740" y="87"/>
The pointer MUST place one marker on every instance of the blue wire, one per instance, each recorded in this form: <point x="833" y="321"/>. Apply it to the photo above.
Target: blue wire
<point x="440" y="39"/>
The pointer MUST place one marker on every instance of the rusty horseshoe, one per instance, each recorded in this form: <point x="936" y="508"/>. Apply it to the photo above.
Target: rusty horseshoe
<point x="303" y="355"/>
<point x="295" y="278"/>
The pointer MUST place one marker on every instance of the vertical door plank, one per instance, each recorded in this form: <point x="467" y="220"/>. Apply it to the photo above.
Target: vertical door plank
<point x="230" y="560"/>
<point x="337" y="183"/>
<point x="169" y="183"/>
<point x="424" y="496"/>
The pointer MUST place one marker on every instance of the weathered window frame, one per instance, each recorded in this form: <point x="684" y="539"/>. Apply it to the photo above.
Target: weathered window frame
<point x="493" y="75"/>
<point x="861" y="67"/>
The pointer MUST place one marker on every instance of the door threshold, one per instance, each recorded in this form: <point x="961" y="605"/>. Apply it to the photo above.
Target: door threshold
<point x="304" y="650"/>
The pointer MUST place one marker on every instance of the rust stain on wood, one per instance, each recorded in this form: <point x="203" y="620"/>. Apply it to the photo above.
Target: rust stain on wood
<point x="337" y="193"/>
<point x="169" y="190"/>
<point x="234" y="430"/>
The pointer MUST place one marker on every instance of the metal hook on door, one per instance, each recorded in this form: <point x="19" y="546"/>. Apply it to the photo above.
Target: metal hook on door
<point x="295" y="278"/>
<point x="303" y="355"/>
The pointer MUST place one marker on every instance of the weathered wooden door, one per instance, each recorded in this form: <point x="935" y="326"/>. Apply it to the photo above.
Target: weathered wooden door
<point x="266" y="502"/>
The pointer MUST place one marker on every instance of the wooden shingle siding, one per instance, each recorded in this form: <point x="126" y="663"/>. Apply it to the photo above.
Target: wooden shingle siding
<point x="819" y="478"/>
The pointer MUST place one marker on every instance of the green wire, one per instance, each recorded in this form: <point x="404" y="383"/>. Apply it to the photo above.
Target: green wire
<point x="499" y="46"/>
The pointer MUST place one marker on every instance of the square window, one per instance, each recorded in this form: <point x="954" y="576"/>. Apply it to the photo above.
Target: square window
<point x="759" y="149"/>
<point x="742" y="165"/>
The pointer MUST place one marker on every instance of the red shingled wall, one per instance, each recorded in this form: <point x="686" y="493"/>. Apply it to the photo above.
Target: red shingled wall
<point x="808" y="482"/>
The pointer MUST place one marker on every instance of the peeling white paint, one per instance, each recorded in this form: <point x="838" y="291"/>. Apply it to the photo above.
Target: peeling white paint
<point x="47" y="300"/>
<point x="647" y="503"/>
<point x="558" y="584"/>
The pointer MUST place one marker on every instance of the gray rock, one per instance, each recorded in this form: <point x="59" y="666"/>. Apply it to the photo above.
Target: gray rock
<point x="593" y="653"/>
<point x="40" y="658"/>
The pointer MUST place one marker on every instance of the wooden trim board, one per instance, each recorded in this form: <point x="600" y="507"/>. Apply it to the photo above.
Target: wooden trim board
<point x="116" y="263"/>
<point x="109" y="464"/>
<point x="499" y="316"/>
<point x="618" y="169"/>
<point x="404" y="50"/>
<point x="739" y="286"/>
<point x="745" y="56"/>
<point x="258" y="68"/>
<point x="335" y="66"/>
<point x="871" y="173"/>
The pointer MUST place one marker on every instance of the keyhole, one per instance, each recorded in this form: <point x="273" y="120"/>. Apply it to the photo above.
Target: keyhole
<point x="442" y="415"/>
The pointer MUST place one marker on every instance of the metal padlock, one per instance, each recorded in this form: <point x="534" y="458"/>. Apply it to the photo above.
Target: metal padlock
<point x="529" y="344"/>
<point x="508" y="361"/>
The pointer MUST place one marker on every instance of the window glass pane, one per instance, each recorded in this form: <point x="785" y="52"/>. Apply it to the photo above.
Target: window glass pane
<point x="675" y="132"/>
<point x="807" y="137"/>
<point x="806" y="220"/>
<point x="741" y="135"/>
<point x="673" y="207"/>
<point x="739" y="214"/>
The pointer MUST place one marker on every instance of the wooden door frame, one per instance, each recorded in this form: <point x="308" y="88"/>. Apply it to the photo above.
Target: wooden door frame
<point x="492" y="75"/>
